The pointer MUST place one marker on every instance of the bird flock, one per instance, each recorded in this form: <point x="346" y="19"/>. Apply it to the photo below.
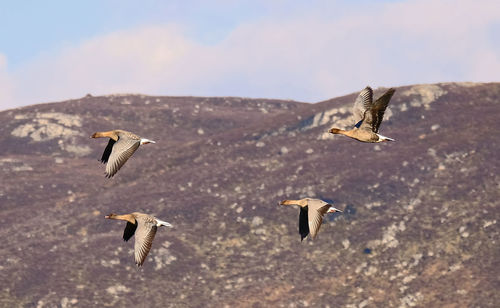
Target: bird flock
<point x="368" y="115"/>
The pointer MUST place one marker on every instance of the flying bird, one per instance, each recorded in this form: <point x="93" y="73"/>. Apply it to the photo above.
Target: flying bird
<point x="311" y="214"/>
<point x="144" y="227"/>
<point x="121" y="146"/>
<point x="367" y="115"/>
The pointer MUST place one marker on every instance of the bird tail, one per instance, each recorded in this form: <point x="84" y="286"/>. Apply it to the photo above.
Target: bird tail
<point x="384" y="138"/>
<point x="163" y="223"/>
<point x="146" y="141"/>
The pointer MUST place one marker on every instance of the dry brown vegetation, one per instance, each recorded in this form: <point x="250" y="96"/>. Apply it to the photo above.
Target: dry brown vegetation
<point x="421" y="225"/>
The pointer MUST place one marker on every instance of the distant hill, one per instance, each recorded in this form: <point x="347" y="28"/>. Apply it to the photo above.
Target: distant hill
<point x="420" y="228"/>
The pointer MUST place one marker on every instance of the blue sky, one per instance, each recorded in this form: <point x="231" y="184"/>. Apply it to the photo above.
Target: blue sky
<point x="31" y="27"/>
<point x="301" y="50"/>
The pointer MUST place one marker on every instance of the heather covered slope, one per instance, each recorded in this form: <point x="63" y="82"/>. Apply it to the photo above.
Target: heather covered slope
<point x="420" y="227"/>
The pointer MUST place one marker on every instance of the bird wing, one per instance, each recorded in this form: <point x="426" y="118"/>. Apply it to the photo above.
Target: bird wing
<point x="107" y="151"/>
<point x="303" y="223"/>
<point x="317" y="210"/>
<point x="121" y="152"/>
<point x="144" y="236"/>
<point x="361" y="104"/>
<point x="378" y="109"/>
<point x="129" y="230"/>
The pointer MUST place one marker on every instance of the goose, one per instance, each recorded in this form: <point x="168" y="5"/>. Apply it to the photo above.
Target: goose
<point x="144" y="227"/>
<point x="311" y="214"/>
<point x="368" y="115"/>
<point x="121" y="146"/>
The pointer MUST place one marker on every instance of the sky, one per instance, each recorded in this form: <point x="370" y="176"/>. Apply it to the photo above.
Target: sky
<point x="301" y="50"/>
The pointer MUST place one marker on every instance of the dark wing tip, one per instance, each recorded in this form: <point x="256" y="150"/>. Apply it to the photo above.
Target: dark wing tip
<point x="384" y="98"/>
<point x="107" y="151"/>
<point x="129" y="231"/>
<point x="139" y="264"/>
<point x="141" y="261"/>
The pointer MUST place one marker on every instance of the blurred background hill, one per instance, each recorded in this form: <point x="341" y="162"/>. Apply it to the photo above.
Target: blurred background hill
<point x="420" y="228"/>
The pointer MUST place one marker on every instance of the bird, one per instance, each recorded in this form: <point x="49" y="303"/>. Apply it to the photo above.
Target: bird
<point x="311" y="214"/>
<point x="121" y="146"/>
<point x="144" y="227"/>
<point x="367" y="115"/>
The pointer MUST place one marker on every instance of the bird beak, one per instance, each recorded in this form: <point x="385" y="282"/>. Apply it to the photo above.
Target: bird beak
<point x="107" y="216"/>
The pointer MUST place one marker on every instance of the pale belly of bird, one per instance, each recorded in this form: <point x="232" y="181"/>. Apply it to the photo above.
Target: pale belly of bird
<point x="365" y="136"/>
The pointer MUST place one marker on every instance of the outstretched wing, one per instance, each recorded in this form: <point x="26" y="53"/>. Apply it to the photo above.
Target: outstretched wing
<point x="317" y="209"/>
<point x="303" y="223"/>
<point x="378" y="109"/>
<point x="121" y="152"/>
<point x="144" y="236"/>
<point x="361" y="104"/>
<point x="107" y="151"/>
<point x="129" y="230"/>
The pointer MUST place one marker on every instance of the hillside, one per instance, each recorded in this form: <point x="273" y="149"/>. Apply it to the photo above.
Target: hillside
<point x="420" y="228"/>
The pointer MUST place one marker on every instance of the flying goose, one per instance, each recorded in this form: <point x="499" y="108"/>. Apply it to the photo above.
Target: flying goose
<point x="144" y="226"/>
<point x="121" y="146"/>
<point x="311" y="214"/>
<point x="368" y="115"/>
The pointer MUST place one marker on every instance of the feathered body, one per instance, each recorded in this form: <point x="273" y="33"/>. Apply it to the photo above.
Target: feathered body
<point x="311" y="214"/>
<point x="368" y="116"/>
<point x="144" y="227"/>
<point x="121" y="145"/>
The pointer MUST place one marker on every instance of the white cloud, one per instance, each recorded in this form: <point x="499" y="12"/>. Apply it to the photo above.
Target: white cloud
<point x="306" y="57"/>
<point x="6" y="93"/>
<point x="135" y="60"/>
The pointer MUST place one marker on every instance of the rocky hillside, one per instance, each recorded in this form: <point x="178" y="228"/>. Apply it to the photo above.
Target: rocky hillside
<point x="420" y="227"/>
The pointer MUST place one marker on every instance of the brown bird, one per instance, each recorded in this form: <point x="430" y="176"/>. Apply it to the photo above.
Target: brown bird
<point x="144" y="226"/>
<point x="311" y="214"/>
<point x="367" y="115"/>
<point x="121" y="146"/>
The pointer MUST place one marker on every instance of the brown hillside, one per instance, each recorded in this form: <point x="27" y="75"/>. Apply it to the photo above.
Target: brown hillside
<point x="421" y="226"/>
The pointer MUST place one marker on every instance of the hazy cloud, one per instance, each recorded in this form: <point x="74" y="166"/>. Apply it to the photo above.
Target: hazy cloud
<point x="309" y="56"/>
<point x="7" y="99"/>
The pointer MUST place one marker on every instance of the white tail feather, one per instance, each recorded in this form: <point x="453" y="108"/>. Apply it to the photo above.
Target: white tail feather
<point x="163" y="223"/>
<point x="145" y="141"/>
<point x="383" y="138"/>
<point x="333" y="210"/>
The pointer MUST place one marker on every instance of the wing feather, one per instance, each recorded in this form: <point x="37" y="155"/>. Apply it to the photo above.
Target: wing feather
<point x="129" y="230"/>
<point x="144" y="236"/>
<point x="303" y="223"/>
<point x="378" y="109"/>
<point x="107" y="151"/>
<point x="361" y="104"/>
<point x="121" y="152"/>
<point x="316" y="213"/>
